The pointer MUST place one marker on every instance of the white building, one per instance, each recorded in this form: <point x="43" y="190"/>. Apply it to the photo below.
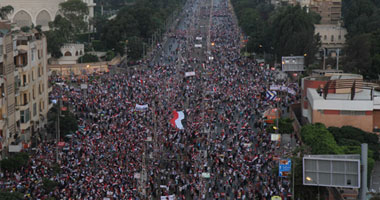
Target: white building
<point x="38" y="12"/>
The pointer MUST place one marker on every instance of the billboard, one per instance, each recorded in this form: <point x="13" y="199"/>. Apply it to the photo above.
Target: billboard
<point x="332" y="170"/>
<point x="293" y="63"/>
<point x="285" y="166"/>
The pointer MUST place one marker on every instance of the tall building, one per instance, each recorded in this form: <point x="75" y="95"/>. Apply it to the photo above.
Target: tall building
<point x="330" y="10"/>
<point x="38" y="12"/>
<point x="24" y="88"/>
<point x="8" y="128"/>
<point x="32" y="101"/>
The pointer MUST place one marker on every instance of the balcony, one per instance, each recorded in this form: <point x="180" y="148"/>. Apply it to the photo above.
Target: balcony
<point x="22" y="107"/>
<point x="23" y="87"/>
<point x="24" y="126"/>
<point x="24" y="68"/>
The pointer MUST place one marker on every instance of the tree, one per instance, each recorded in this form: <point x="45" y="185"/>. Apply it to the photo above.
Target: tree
<point x="68" y="122"/>
<point x="358" y="55"/>
<point x="319" y="139"/>
<point x="15" y="162"/>
<point x="66" y="26"/>
<point x="292" y="33"/>
<point x="5" y="195"/>
<point x="75" y="11"/>
<point x="5" y="11"/>
<point x="135" y="45"/>
<point x="87" y="58"/>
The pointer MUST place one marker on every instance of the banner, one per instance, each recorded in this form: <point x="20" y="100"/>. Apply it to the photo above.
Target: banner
<point x="169" y="197"/>
<point x="283" y="88"/>
<point x="187" y="74"/>
<point x="141" y="107"/>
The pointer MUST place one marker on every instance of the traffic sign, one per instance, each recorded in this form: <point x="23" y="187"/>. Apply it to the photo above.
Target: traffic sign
<point x="271" y="95"/>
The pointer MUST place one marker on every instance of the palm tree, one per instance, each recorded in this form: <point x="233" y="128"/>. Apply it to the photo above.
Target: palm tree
<point x="5" y="11"/>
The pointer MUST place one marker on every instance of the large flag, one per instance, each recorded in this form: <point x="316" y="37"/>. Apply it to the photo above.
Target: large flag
<point x="176" y="121"/>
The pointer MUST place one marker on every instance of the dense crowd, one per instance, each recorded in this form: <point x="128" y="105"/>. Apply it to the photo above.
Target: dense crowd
<point x="224" y="132"/>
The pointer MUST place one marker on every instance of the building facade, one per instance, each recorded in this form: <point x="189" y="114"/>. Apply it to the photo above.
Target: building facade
<point x="24" y="88"/>
<point x="8" y="127"/>
<point x="38" y="12"/>
<point x="32" y="101"/>
<point x="329" y="10"/>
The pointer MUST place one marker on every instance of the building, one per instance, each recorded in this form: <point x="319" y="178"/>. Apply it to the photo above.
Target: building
<point x="329" y="10"/>
<point x="32" y="101"/>
<point x="332" y="36"/>
<point x="338" y="99"/>
<point x="302" y="3"/>
<point x="38" y="12"/>
<point x="24" y="88"/>
<point x="8" y="127"/>
<point x="333" y="39"/>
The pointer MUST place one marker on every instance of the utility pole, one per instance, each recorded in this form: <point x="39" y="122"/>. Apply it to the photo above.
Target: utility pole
<point x="58" y="128"/>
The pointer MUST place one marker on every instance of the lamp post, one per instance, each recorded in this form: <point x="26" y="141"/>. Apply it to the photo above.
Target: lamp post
<point x="324" y="58"/>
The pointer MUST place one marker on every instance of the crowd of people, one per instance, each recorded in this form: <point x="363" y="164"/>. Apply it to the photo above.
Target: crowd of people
<point x="121" y="152"/>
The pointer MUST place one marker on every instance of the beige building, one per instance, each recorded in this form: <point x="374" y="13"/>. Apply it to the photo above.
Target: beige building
<point x="32" y="101"/>
<point x="332" y="36"/>
<point x="8" y="128"/>
<point x="24" y="88"/>
<point x="330" y="10"/>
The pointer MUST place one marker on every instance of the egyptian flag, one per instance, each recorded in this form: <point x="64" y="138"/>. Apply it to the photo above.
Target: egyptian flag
<point x="176" y="121"/>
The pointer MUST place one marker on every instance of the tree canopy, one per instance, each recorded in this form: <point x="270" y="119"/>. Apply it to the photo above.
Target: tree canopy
<point x="5" y="11"/>
<point x="282" y="32"/>
<point x="319" y="139"/>
<point x="67" y="25"/>
<point x="139" y="20"/>
<point x="362" y="20"/>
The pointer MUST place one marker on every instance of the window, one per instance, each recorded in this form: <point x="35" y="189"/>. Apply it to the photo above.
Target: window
<point x="325" y="37"/>
<point x="339" y="37"/>
<point x="25" y="116"/>
<point x="332" y="38"/>
<point x="34" y="109"/>
<point x="33" y="54"/>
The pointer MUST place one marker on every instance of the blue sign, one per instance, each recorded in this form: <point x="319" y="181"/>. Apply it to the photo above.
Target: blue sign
<point x="285" y="167"/>
<point x="271" y="95"/>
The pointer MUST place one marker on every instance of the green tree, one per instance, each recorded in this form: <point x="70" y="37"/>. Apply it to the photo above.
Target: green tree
<point x="5" y="11"/>
<point x="75" y="11"/>
<point x="135" y="45"/>
<point x="68" y="122"/>
<point x="49" y="185"/>
<point x="5" y="195"/>
<point x="15" y="162"/>
<point x="358" y="55"/>
<point x="319" y="139"/>
<point x="87" y="58"/>
<point x="292" y="33"/>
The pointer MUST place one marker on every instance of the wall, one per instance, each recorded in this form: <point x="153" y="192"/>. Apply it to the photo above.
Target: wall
<point x="334" y="118"/>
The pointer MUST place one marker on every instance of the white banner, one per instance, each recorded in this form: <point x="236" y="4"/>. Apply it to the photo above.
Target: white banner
<point x="189" y="74"/>
<point x="169" y="197"/>
<point x="141" y="107"/>
<point x="283" y="88"/>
